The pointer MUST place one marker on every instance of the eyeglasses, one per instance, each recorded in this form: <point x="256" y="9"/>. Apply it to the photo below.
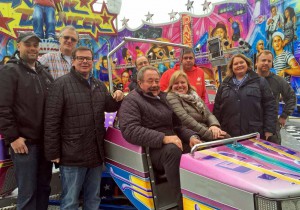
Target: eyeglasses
<point x="69" y="37"/>
<point x="81" y="59"/>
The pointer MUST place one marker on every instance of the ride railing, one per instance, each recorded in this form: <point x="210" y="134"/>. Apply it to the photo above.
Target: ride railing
<point x="233" y="140"/>
<point x="130" y="39"/>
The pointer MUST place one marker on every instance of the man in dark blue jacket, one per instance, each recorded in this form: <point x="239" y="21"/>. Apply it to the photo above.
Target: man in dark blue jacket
<point x="24" y="83"/>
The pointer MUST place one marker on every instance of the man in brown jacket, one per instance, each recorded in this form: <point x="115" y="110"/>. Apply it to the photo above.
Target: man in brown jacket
<point x="147" y="120"/>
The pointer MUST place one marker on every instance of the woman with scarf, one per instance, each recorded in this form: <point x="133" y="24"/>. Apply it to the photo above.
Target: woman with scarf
<point x="191" y="109"/>
<point x="244" y="102"/>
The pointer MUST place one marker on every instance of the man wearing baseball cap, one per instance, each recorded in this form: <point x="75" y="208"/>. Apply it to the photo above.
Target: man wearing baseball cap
<point x="284" y="61"/>
<point x="24" y="83"/>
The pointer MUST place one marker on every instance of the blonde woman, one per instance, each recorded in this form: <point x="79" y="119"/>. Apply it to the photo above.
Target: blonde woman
<point x="191" y="109"/>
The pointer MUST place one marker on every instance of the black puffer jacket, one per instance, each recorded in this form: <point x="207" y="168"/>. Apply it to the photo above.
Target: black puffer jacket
<point x="74" y="120"/>
<point x="145" y="120"/>
<point x="250" y="109"/>
<point x="22" y="99"/>
<point x="281" y="88"/>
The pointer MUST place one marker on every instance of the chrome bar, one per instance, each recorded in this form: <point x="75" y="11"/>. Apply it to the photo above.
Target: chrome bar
<point x="111" y="87"/>
<point x="131" y="39"/>
<point x="223" y="141"/>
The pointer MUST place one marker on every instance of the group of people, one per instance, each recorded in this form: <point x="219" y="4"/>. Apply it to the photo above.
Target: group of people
<point x="52" y="111"/>
<point x="46" y="121"/>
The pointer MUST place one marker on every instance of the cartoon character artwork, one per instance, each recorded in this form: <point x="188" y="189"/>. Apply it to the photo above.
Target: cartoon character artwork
<point x="44" y="17"/>
<point x="289" y="29"/>
<point x="161" y="56"/>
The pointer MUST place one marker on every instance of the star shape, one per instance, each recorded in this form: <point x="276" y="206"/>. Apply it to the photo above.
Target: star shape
<point x="124" y="21"/>
<point x="106" y="187"/>
<point x="173" y="15"/>
<point x="189" y="5"/>
<point x="149" y="16"/>
<point x="106" y="16"/>
<point x="4" y="22"/>
<point x="84" y="3"/>
<point x="206" y="5"/>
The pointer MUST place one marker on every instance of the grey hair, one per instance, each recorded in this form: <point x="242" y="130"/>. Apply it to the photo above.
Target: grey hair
<point x="68" y="27"/>
<point x="141" y="72"/>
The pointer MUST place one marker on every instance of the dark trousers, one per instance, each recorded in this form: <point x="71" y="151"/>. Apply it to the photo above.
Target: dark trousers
<point x="167" y="159"/>
<point x="33" y="175"/>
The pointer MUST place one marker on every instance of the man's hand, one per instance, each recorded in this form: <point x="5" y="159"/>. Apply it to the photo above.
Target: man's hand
<point x="55" y="160"/>
<point x="217" y="132"/>
<point x="19" y="146"/>
<point x="267" y="135"/>
<point x="173" y="140"/>
<point x="194" y="141"/>
<point x="118" y="95"/>
<point x="282" y="121"/>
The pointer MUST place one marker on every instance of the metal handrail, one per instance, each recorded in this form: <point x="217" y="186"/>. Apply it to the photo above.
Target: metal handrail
<point x="223" y="141"/>
<point x="131" y="39"/>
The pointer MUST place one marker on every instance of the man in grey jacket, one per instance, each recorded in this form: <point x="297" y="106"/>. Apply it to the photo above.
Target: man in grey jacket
<point x="278" y="86"/>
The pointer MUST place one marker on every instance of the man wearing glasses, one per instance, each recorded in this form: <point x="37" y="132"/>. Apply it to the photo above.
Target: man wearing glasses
<point x="74" y="130"/>
<point x="194" y="73"/>
<point x="59" y="63"/>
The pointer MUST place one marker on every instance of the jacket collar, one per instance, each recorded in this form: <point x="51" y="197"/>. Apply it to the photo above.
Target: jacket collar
<point x="81" y="78"/>
<point x="251" y="76"/>
<point x="16" y="59"/>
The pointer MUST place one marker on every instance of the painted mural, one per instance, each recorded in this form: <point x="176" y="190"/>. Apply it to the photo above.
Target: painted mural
<point x="243" y="26"/>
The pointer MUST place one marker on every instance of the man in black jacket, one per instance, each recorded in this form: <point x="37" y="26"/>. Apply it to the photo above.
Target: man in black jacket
<point x="147" y="120"/>
<point x="74" y="130"/>
<point x="279" y="87"/>
<point x="24" y="83"/>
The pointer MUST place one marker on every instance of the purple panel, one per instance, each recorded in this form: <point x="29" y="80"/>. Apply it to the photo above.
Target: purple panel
<point x="115" y="136"/>
<point x="3" y="150"/>
<point x="144" y="175"/>
<point x="109" y="118"/>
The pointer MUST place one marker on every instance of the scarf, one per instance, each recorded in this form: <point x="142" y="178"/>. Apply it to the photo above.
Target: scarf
<point x="195" y="100"/>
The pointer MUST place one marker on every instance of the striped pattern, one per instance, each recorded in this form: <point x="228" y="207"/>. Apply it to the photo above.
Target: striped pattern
<point x="294" y="131"/>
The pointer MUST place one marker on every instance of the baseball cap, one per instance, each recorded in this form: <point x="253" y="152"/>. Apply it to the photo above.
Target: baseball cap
<point x="24" y="36"/>
<point x="278" y="33"/>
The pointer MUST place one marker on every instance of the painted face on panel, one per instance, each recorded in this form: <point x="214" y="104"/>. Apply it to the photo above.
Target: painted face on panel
<point x="277" y="43"/>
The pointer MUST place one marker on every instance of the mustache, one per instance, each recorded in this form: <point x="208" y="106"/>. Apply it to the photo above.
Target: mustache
<point x="156" y="88"/>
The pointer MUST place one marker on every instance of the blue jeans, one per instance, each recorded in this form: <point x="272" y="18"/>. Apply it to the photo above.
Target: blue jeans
<point x="33" y="174"/>
<point x="74" y="179"/>
<point x="41" y="15"/>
